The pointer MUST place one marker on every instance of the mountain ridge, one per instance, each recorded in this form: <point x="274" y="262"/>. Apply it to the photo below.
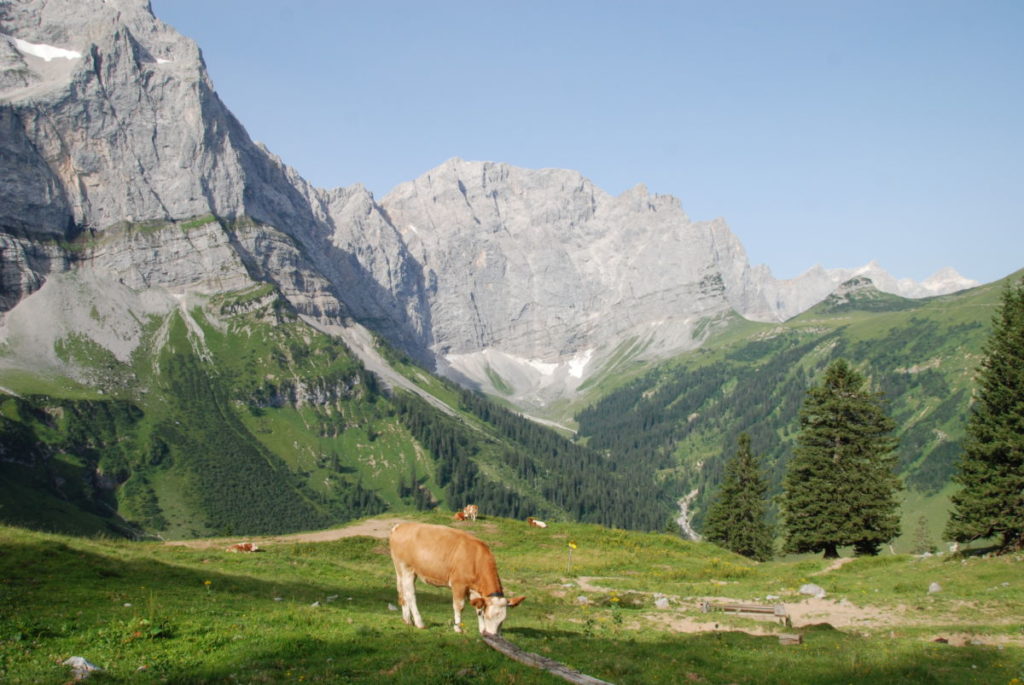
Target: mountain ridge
<point x="501" y="277"/>
<point x="178" y="306"/>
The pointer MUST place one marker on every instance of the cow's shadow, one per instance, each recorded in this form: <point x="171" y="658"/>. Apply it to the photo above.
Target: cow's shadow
<point x="536" y="633"/>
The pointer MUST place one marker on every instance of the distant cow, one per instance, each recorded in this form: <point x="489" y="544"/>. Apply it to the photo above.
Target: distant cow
<point x="471" y="510"/>
<point x="244" y="547"/>
<point x="447" y="557"/>
<point x="535" y="523"/>
<point x="459" y="516"/>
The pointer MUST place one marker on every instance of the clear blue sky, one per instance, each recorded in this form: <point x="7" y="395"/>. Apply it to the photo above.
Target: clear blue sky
<point x="824" y="132"/>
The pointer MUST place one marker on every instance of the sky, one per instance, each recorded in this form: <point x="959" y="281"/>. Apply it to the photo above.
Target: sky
<point x="824" y="132"/>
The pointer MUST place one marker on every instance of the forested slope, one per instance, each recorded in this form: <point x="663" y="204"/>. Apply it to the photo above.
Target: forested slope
<point x="236" y="417"/>
<point x="686" y="415"/>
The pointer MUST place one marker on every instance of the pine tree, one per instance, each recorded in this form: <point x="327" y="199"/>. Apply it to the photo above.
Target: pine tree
<point x="736" y="519"/>
<point x="922" y="540"/>
<point x="840" y="488"/>
<point x="991" y="471"/>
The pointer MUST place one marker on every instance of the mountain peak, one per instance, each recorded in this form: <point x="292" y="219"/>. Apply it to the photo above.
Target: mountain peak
<point x="109" y="120"/>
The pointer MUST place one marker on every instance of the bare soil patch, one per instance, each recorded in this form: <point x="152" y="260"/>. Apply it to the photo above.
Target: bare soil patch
<point x="374" y="528"/>
<point x="834" y="566"/>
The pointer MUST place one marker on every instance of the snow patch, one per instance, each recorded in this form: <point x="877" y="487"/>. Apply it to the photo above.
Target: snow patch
<point x="43" y="51"/>
<point x="578" y="363"/>
<point x="527" y="382"/>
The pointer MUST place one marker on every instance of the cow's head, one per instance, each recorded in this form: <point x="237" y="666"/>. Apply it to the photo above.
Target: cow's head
<point x="492" y="610"/>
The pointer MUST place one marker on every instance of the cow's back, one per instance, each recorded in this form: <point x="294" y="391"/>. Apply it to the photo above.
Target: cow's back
<point x="436" y="553"/>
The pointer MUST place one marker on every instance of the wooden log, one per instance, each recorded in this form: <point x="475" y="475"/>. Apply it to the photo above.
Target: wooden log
<point x="542" y="662"/>
<point x="747" y="608"/>
<point x="777" y="609"/>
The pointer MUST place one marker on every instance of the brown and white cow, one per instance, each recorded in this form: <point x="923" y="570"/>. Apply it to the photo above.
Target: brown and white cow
<point x="535" y="523"/>
<point x="470" y="511"/>
<point x="244" y="547"/>
<point x="447" y="557"/>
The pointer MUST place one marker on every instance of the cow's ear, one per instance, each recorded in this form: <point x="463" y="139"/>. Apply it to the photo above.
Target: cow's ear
<point x="478" y="602"/>
<point x="515" y="601"/>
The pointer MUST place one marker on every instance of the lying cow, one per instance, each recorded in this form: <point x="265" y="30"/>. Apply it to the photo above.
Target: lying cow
<point x="244" y="547"/>
<point x="459" y="516"/>
<point x="535" y="523"/>
<point x="447" y="557"/>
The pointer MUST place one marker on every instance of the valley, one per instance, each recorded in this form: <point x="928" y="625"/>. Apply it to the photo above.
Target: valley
<point x="196" y="341"/>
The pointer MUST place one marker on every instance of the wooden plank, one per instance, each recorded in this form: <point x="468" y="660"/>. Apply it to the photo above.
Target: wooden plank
<point x="542" y="662"/>
<point x="747" y="608"/>
<point x="777" y="609"/>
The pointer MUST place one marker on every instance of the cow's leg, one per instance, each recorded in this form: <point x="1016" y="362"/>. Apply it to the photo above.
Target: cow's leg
<point x="458" y="601"/>
<point x="407" y="595"/>
<point x="399" y="572"/>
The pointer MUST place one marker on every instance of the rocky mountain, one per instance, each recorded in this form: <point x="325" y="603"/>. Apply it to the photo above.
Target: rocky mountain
<point x="110" y="121"/>
<point x="536" y="278"/>
<point x="521" y="282"/>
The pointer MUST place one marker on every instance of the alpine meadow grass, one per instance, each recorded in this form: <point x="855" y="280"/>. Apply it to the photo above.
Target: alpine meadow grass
<point x="628" y="612"/>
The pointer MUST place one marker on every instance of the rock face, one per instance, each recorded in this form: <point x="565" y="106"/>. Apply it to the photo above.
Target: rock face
<point x="108" y="117"/>
<point x="542" y="263"/>
<point x="123" y="173"/>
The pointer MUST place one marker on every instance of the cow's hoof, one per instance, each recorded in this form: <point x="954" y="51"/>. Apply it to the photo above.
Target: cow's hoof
<point x="458" y="628"/>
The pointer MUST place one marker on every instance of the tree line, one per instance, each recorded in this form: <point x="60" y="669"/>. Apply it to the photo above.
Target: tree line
<point x="548" y="474"/>
<point x="840" y="487"/>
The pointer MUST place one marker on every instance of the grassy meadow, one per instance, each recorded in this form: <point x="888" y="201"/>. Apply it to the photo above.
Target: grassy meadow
<point x="319" y="612"/>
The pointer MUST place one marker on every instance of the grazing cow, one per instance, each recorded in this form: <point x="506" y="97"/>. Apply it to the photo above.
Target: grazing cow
<point x="471" y="510"/>
<point x="535" y="523"/>
<point x="447" y="557"/>
<point x="459" y="516"/>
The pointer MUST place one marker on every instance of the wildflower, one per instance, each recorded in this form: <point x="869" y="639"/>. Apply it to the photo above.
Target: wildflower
<point x="572" y="545"/>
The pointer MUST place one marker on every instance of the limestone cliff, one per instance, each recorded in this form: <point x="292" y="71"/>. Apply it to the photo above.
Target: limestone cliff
<point x="125" y="179"/>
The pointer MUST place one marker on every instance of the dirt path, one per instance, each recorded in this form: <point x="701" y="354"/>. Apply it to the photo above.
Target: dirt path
<point x="834" y="566"/>
<point x="374" y="528"/>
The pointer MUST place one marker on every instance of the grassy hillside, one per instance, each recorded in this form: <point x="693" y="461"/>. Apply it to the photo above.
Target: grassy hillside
<point x="319" y="612"/>
<point x="684" y="416"/>
<point x="235" y="417"/>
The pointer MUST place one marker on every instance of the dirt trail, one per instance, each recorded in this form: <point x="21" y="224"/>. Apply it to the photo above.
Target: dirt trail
<point x="834" y="566"/>
<point x="374" y="528"/>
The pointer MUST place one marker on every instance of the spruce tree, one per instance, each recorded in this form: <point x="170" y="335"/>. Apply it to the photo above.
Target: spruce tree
<point x="991" y="470"/>
<point x="840" y="488"/>
<point x="736" y="519"/>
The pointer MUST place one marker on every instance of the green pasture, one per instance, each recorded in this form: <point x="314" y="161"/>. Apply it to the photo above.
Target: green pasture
<point x="324" y="612"/>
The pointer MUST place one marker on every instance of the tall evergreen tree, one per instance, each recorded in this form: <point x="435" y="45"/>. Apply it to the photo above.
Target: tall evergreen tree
<point x="736" y="519"/>
<point x="991" y="473"/>
<point x="840" y="488"/>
